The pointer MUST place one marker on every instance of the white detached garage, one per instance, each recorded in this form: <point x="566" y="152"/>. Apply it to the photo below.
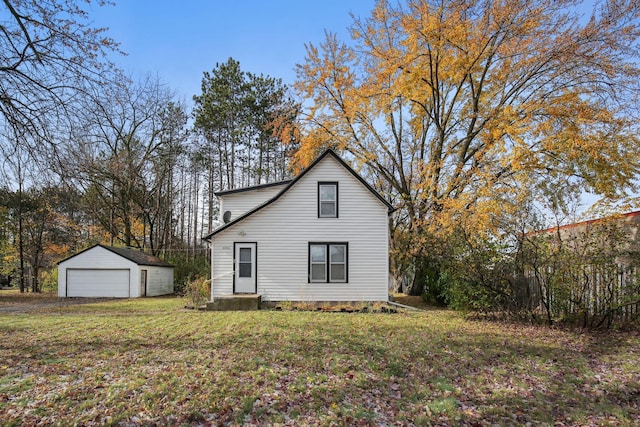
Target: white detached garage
<point x="106" y="271"/>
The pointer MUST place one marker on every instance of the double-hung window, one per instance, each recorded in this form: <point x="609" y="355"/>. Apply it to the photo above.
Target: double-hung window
<point x="327" y="200"/>
<point x="328" y="262"/>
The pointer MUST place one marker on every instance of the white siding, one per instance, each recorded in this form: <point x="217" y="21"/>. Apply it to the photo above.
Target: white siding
<point x="99" y="261"/>
<point x="244" y="201"/>
<point x="98" y="283"/>
<point x="95" y="259"/>
<point x="283" y="230"/>
<point x="159" y="280"/>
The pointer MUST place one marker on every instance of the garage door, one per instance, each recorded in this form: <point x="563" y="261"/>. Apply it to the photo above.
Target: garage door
<point x="98" y="283"/>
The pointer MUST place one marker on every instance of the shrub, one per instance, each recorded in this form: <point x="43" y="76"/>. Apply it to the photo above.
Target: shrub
<point x="469" y="296"/>
<point x="49" y="281"/>
<point x="436" y="287"/>
<point x="187" y="267"/>
<point x="197" y="291"/>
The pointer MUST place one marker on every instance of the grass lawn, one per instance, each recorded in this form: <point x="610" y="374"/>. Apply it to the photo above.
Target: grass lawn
<point x="146" y="361"/>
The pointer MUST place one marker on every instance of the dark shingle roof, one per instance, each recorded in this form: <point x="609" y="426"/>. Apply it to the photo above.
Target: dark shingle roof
<point x="138" y="256"/>
<point x="252" y="188"/>
<point x="133" y="255"/>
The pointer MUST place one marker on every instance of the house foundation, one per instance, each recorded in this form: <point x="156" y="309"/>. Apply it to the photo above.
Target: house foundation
<point x="235" y="303"/>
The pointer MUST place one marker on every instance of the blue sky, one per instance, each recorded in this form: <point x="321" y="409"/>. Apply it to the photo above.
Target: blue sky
<point x="179" y="40"/>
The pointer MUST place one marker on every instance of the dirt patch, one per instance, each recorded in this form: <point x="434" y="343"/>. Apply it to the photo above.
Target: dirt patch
<point x="12" y="301"/>
<point x="413" y="301"/>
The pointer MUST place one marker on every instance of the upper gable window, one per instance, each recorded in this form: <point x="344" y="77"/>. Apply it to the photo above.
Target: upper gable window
<point x="327" y="199"/>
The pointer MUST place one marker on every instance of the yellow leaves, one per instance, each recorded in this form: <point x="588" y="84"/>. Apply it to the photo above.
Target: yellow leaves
<point x="327" y="72"/>
<point x="466" y="108"/>
<point x="312" y="144"/>
<point x="58" y="251"/>
<point x="284" y="129"/>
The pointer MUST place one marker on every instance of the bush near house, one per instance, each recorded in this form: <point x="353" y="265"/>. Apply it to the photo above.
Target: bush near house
<point x="197" y="291"/>
<point x="188" y="266"/>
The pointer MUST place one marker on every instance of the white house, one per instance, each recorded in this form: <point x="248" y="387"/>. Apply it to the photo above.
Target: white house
<point x="322" y="236"/>
<point x="106" y="271"/>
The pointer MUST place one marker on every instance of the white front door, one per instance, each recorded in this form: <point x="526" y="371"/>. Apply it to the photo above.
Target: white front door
<point x="245" y="268"/>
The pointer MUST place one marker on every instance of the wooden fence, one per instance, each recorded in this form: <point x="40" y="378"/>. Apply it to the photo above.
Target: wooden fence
<point x="588" y="290"/>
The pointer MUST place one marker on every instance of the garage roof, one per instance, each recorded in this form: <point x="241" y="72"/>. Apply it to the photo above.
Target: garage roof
<point x="133" y="255"/>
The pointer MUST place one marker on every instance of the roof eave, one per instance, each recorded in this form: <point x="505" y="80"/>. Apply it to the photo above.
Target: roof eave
<point x="252" y="188"/>
<point x="390" y="208"/>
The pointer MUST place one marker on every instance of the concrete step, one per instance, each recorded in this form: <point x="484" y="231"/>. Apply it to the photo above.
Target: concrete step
<point x="238" y="302"/>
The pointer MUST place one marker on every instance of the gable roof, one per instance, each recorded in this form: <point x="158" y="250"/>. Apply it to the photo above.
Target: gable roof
<point x="327" y="152"/>
<point x="253" y="187"/>
<point x="133" y="255"/>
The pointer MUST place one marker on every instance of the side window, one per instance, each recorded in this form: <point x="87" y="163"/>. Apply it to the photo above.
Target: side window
<point x="318" y="263"/>
<point x="337" y="263"/>
<point x="328" y="262"/>
<point x="327" y="200"/>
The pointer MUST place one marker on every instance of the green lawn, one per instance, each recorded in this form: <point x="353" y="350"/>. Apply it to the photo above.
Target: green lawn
<point x="139" y="362"/>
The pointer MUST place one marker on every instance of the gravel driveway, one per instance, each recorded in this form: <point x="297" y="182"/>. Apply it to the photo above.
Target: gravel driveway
<point x="28" y="305"/>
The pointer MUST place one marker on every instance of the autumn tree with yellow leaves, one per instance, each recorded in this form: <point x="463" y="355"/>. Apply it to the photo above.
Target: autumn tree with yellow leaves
<point x="461" y="111"/>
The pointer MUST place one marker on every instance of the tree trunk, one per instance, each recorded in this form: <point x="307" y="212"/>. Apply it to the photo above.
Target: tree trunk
<point x="20" y="229"/>
<point x="35" y="288"/>
<point x="195" y="213"/>
<point x="416" y="286"/>
<point x="127" y="229"/>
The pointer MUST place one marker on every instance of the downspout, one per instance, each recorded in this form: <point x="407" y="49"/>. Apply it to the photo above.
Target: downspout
<point x="408" y="307"/>
<point x="210" y="244"/>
